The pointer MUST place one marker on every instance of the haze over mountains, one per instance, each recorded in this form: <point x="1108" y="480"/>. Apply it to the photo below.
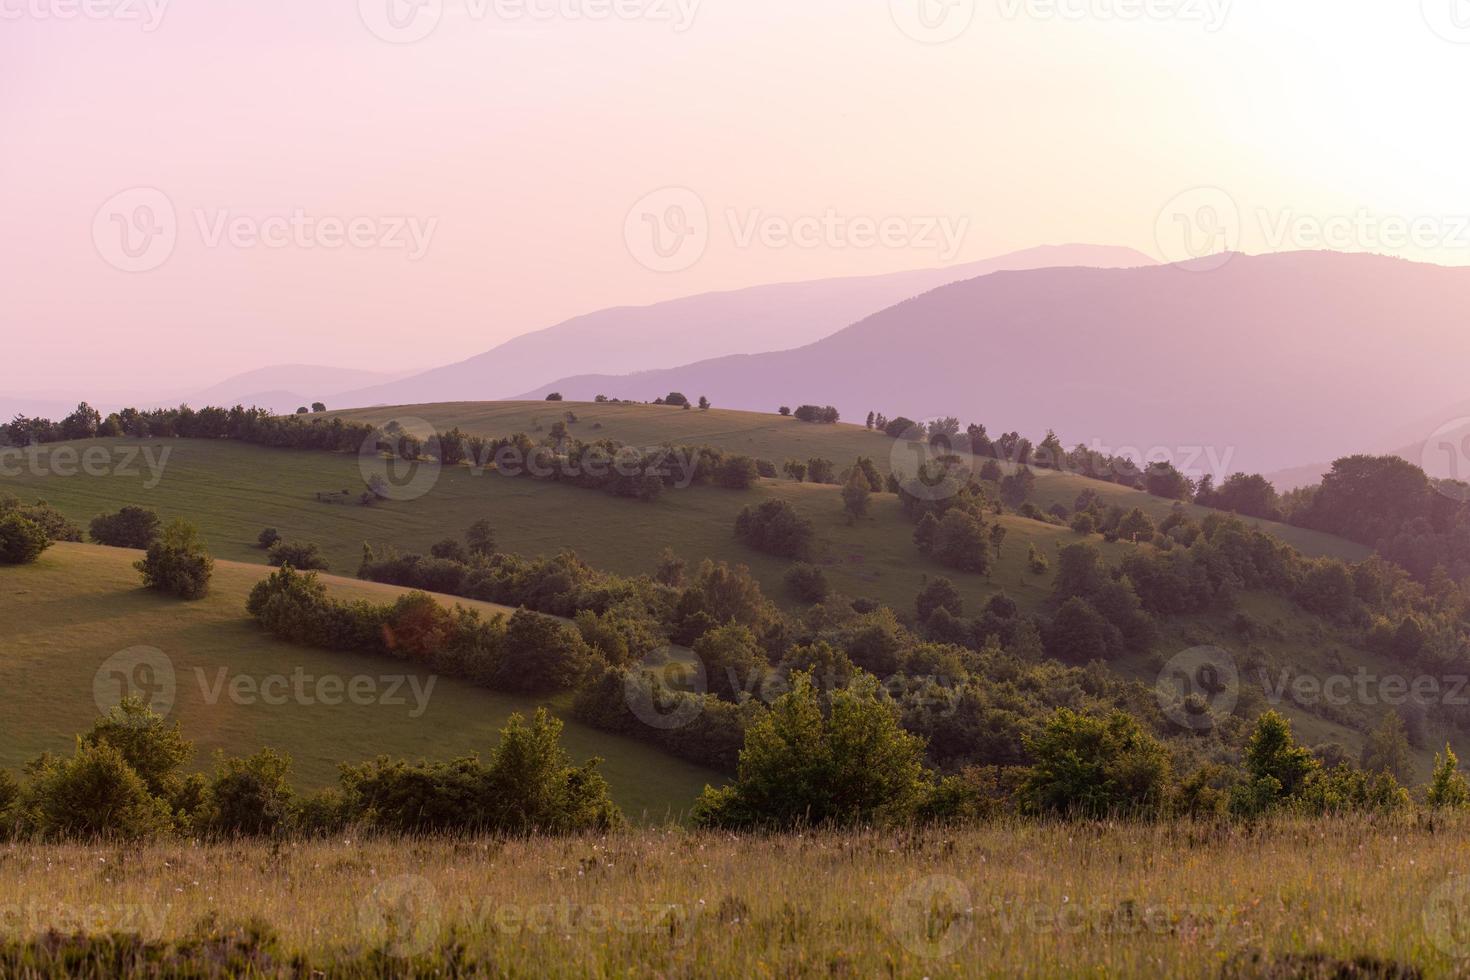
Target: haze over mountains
<point x="1264" y="362"/>
<point x="281" y="388"/>
<point x="681" y="331"/>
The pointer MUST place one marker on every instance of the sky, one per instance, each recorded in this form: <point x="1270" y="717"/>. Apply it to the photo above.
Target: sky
<point x="198" y="189"/>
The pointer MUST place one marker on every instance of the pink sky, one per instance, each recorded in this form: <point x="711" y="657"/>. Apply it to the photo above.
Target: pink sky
<point x="517" y="147"/>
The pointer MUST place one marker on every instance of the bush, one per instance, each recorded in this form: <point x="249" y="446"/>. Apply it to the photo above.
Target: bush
<point x="131" y="527"/>
<point x="1092" y="767"/>
<point x="529" y="785"/>
<point x="733" y="662"/>
<point x="21" y="540"/>
<point x="737" y="472"/>
<point x="775" y="528"/>
<point x="268" y="538"/>
<point x="250" y="797"/>
<point x="177" y="563"/>
<point x="940" y="593"/>
<point x="302" y="556"/>
<point x="808" y="583"/>
<point x="44" y="516"/>
<point x="851" y="765"/>
<point x="960" y="540"/>
<point x="542" y="655"/>
<point x="94" y="793"/>
<point x="820" y="470"/>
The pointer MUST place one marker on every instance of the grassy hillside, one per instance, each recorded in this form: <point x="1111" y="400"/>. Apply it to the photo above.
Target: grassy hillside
<point x="232" y="491"/>
<point x="777" y="438"/>
<point x="81" y="604"/>
<point x="1065" y="900"/>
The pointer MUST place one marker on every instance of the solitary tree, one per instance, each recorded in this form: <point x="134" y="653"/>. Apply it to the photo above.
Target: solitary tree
<point x="855" y="495"/>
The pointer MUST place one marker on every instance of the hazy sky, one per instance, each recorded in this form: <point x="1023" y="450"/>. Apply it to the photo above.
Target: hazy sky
<point x="199" y="188"/>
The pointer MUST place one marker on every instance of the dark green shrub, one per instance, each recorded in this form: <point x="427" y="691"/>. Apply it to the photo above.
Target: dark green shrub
<point x="775" y="528"/>
<point x="852" y="764"/>
<point x="808" y="583"/>
<point x="131" y="527"/>
<point x="250" y="797"/>
<point x="302" y="556"/>
<point x="21" y="540"/>
<point x="177" y="563"/>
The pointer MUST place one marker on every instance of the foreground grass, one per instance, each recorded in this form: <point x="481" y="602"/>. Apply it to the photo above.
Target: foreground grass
<point x="80" y="605"/>
<point x="999" y="901"/>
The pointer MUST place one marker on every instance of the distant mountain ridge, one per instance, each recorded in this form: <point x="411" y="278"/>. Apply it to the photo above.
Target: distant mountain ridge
<point x="1264" y="361"/>
<point x="680" y="331"/>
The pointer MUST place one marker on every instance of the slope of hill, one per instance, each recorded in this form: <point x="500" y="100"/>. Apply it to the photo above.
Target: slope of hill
<point x="1266" y="361"/>
<point x="760" y="318"/>
<point x="777" y="438"/>
<point x="66" y="615"/>
<point x="232" y="490"/>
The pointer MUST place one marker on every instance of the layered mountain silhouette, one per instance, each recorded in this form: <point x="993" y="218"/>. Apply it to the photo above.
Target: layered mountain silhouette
<point x="1264" y="361"/>
<point x="745" y="321"/>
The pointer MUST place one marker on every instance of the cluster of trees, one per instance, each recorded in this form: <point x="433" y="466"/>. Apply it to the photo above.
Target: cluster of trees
<point x="842" y="757"/>
<point x="1394" y="507"/>
<point x="604" y="464"/>
<point x="127" y="779"/>
<point x="824" y="414"/>
<point x="529" y="652"/>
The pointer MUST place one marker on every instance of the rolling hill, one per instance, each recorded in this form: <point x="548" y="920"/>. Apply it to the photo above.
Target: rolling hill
<point x="1266" y="361"/>
<point x="232" y="490"/>
<point x="760" y="318"/>
<point x="66" y="615"/>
